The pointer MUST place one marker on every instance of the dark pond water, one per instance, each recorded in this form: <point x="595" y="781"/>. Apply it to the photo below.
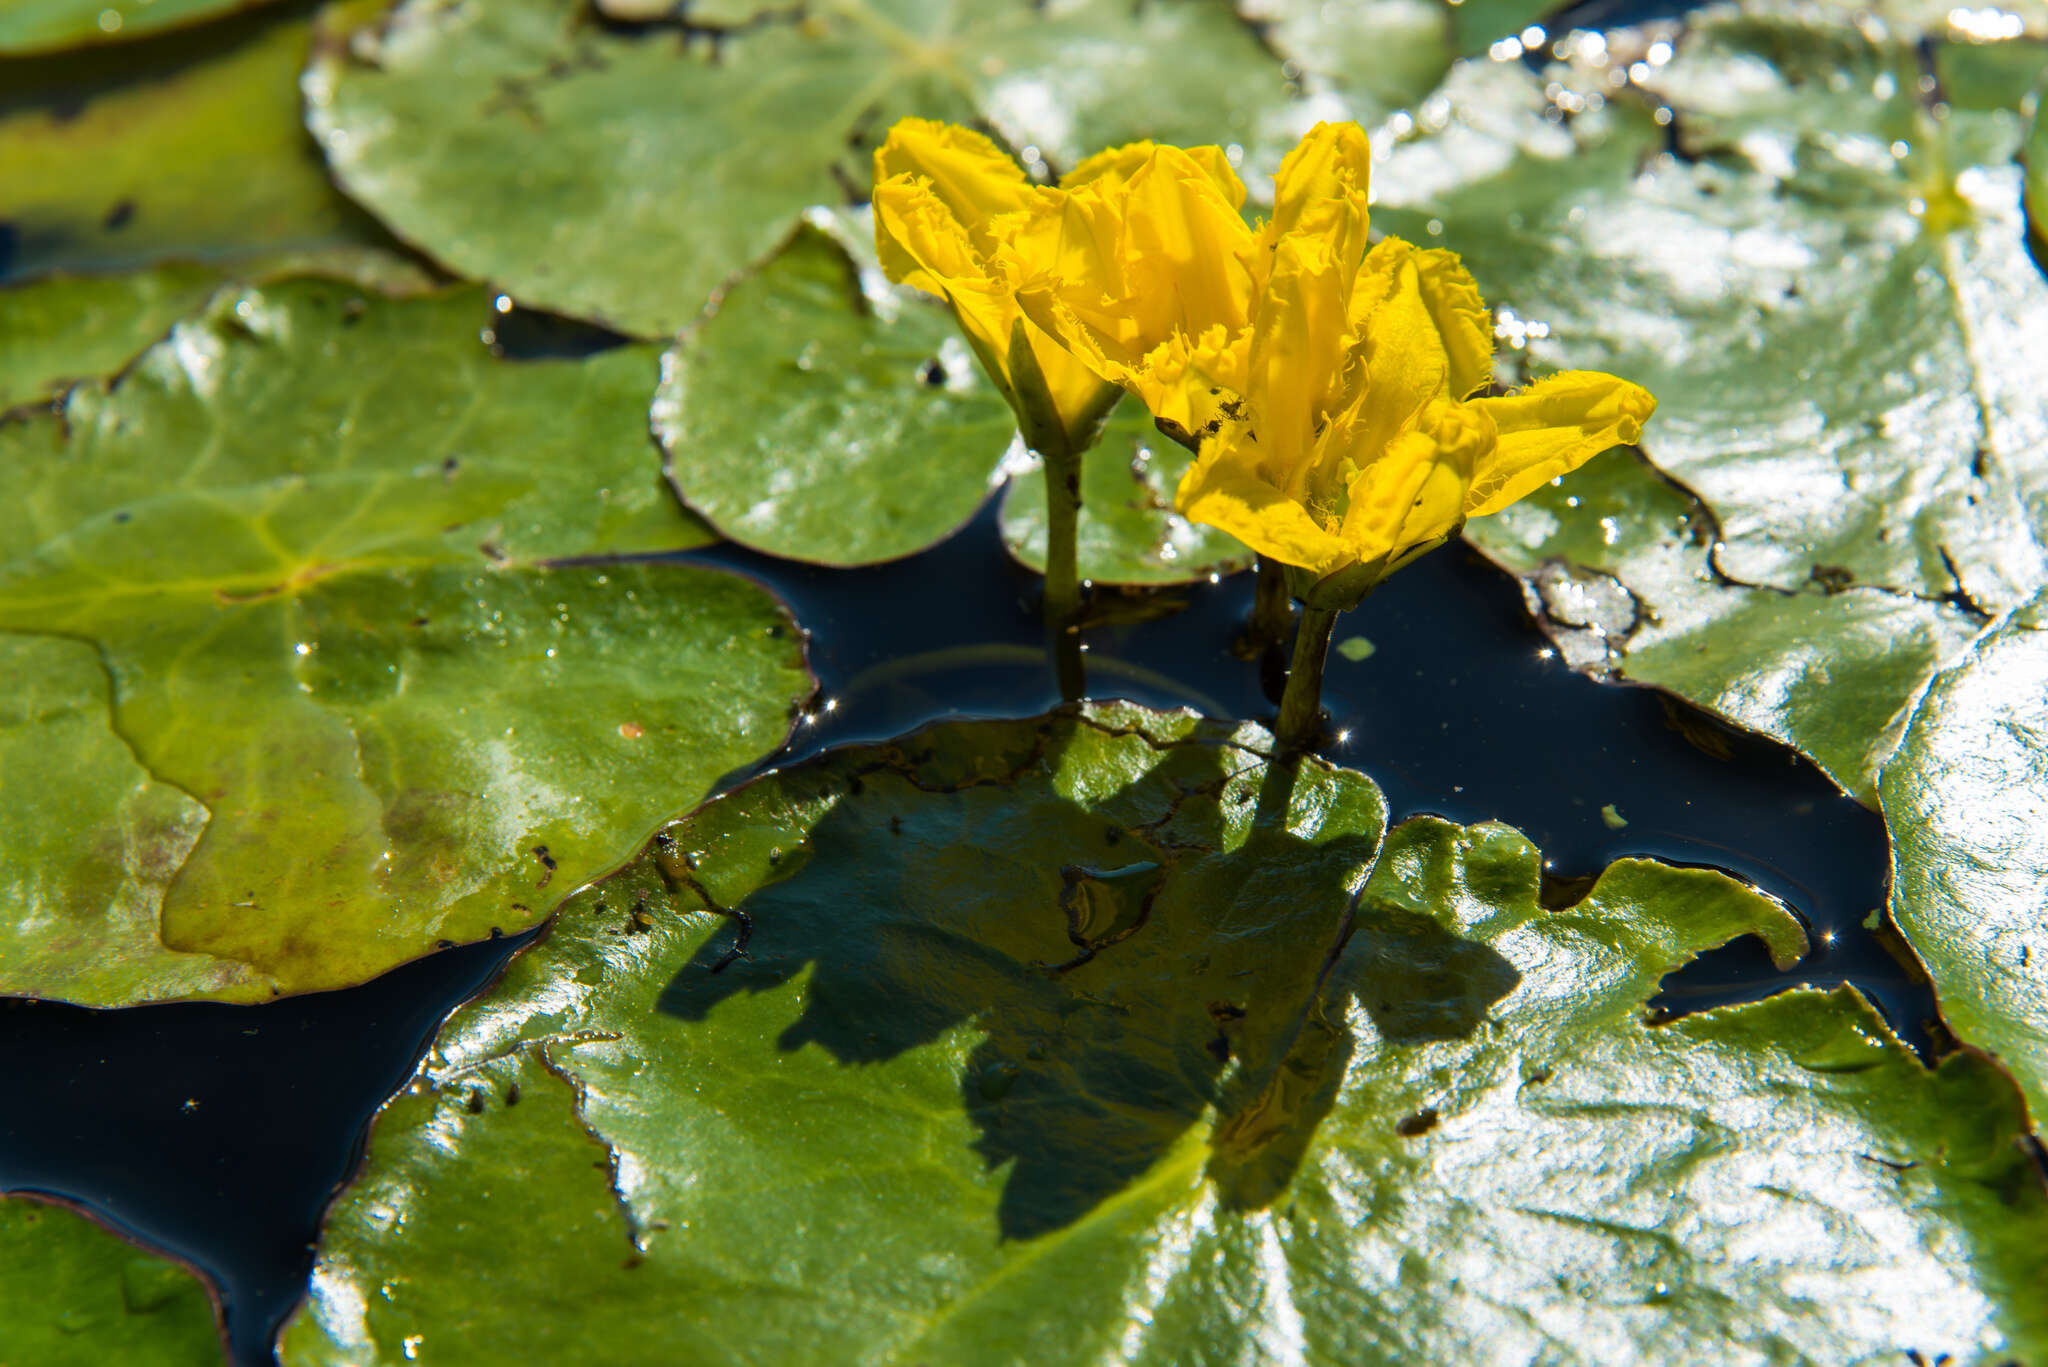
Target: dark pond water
<point x="219" y="1132"/>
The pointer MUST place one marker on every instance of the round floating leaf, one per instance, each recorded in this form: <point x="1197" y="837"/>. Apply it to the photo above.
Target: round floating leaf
<point x="38" y="26"/>
<point x="1966" y="798"/>
<point x="307" y="535"/>
<point x="813" y="420"/>
<point x="188" y="147"/>
<point x="1834" y="319"/>
<point x="1074" y="1041"/>
<point x="648" y="172"/>
<point x="1383" y="55"/>
<point x="1129" y="532"/>
<point x="74" y="1295"/>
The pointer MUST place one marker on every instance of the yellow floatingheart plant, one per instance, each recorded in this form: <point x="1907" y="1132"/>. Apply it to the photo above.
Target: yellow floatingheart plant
<point x="1159" y="291"/>
<point x="1336" y="396"/>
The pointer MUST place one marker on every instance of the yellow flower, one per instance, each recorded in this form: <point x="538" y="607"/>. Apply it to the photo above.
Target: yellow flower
<point x="1362" y="436"/>
<point x="1334" y="392"/>
<point x="1160" y="276"/>
<point x="956" y="217"/>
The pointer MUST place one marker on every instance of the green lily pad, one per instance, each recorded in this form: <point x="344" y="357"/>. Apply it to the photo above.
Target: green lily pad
<point x="41" y="26"/>
<point x="1964" y="799"/>
<point x="1833" y="313"/>
<point x="1615" y="566"/>
<point x="308" y="538"/>
<point x="72" y="1294"/>
<point x="805" y="399"/>
<point x="189" y="147"/>
<point x="647" y="174"/>
<point x="1068" y="1041"/>
<point x="1991" y="75"/>
<point x="1129" y="532"/>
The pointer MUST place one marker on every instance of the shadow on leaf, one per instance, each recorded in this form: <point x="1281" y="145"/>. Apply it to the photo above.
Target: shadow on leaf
<point x="1130" y="963"/>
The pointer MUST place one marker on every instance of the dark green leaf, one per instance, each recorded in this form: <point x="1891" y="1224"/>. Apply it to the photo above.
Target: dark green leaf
<point x="1068" y="1041"/>
<point x="306" y="538"/>
<point x="74" y="1295"/>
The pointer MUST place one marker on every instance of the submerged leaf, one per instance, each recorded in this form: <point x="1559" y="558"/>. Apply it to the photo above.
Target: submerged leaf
<point x="307" y="537"/>
<point x="1104" y="1038"/>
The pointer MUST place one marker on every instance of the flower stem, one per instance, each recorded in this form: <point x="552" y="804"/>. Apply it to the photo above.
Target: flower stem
<point x="1272" y="612"/>
<point x="1062" y="571"/>
<point x="1301" y="706"/>
<point x="1062" y="518"/>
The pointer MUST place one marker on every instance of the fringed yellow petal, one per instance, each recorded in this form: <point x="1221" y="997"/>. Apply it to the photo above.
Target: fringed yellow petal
<point x="922" y="243"/>
<point x="1187" y="383"/>
<point x="1321" y="190"/>
<point x="1214" y="164"/>
<point x="1463" y="321"/>
<point x="972" y="177"/>
<point x="1406" y="367"/>
<point x="1053" y="313"/>
<point x="1118" y="164"/>
<point x="1113" y="164"/>
<point x="919" y="240"/>
<point x="1078" y="392"/>
<point x="1553" y="427"/>
<point x="1141" y="271"/>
